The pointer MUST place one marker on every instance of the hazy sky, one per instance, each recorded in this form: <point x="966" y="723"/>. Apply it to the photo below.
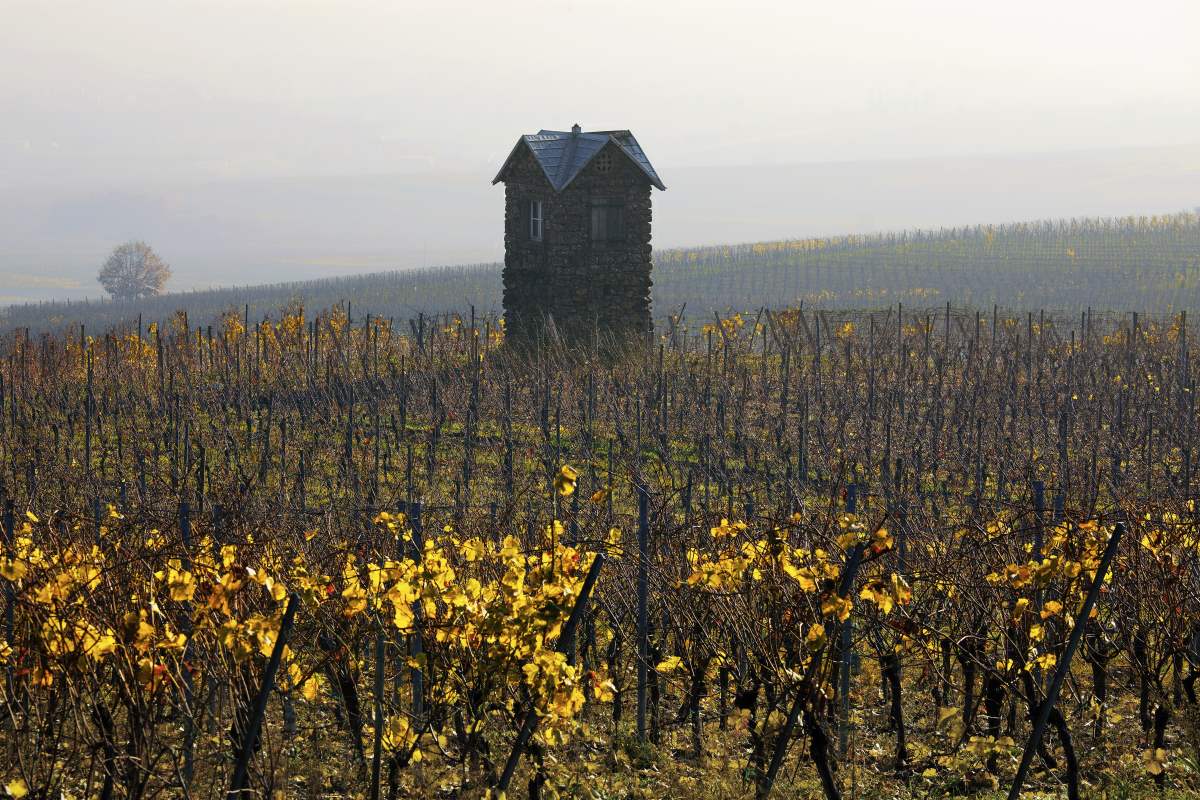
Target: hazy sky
<point x="133" y="93"/>
<point x="267" y="140"/>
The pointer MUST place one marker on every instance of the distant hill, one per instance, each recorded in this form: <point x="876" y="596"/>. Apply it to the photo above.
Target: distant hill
<point x="1147" y="264"/>
<point x="242" y="231"/>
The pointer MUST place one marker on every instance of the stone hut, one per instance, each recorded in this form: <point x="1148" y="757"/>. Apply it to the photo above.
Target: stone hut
<point x="577" y="233"/>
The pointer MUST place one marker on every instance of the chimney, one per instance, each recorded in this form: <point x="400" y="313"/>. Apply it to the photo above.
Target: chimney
<point x="575" y="129"/>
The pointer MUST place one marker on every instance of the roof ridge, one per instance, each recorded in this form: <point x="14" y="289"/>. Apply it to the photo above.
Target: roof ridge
<point x="566" y="165"/>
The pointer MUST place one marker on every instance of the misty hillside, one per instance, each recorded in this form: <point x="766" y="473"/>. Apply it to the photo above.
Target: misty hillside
<point x="1148" y="264"/>
<point x="255" y="231"/>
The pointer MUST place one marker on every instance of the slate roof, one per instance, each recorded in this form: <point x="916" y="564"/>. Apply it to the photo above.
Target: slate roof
<point x="563" y="154"/>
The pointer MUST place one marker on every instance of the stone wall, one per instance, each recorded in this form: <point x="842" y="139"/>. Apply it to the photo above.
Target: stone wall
<point x="582" y="285"/>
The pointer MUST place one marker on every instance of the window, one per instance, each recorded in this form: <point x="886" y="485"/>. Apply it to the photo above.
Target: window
<point x="608" y="223"/>
<point x="535" y="220"/>
<point x="603" y="162"/>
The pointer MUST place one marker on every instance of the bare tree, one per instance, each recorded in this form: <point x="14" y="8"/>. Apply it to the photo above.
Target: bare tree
<point x="134" y="270"/>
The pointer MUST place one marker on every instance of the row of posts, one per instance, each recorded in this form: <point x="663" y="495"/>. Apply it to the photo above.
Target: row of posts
<point x="413" y="511"/>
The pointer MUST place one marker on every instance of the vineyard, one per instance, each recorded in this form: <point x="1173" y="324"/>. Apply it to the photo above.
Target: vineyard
<point x="1146" y="263"/>
<point x="803" y="553"/>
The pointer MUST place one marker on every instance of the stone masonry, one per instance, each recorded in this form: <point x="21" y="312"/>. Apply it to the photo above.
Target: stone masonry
<point x="584" y="285"/>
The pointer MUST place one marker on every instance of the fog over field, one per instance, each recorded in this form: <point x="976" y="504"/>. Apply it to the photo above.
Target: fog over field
<point x="281" y="229"/>
<point x="265" y="141"/>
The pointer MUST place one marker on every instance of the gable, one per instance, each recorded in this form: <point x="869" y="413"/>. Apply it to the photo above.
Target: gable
<point x="523" y="166"/>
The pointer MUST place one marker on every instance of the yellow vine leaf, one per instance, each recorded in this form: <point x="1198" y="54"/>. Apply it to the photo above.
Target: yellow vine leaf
<point x="564" y="481"/>
<point x="180" y="581"/>
<point x="877" y="594"/>
<point x="815" y="636"/>
<point x="1051" y="608"/>
<point x="12" y="569"/>
<point x="669" y="665"/>
<point x="1155" y="760"/>
<point x="838" y="606"/>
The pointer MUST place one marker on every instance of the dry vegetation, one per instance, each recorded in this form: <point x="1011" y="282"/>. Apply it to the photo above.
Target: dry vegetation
<point x="834" y="554"/>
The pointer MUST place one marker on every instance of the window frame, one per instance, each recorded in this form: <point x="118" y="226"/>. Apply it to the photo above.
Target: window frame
<point x="613" y="214"/>
<point x="535" y="213"/>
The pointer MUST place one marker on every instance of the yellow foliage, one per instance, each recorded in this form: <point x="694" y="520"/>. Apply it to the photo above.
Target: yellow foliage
<point x="832" y="605"/>
<point x="564" y="481"/>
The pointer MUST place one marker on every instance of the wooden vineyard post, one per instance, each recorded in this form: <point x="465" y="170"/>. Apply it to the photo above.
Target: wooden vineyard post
<point x="643" y="587"/>
<point x="901" y="521"/>
<point x="529" y="724"/>
<point x="189" y="724"/>
<point x="380" y="660"/>
<point x="573" y="540"/>
<point x="10" y="597"/>
<point x="96" y="520"/>
<point x="415" y="646"/>
<point x="573" y="525"/>
<point x="215" y="696"/>
<point x="508" y="438"/>
<point x="891" y="664"/>
<point x="1064" y="664"/>
<point x="846" y="649"/>
<point x="89" y="405"/>
<point x="377" y="754"/>
<point x="240" y="771"/>
<point x="845" y="584"/>
<point x="1039" y="511"/>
